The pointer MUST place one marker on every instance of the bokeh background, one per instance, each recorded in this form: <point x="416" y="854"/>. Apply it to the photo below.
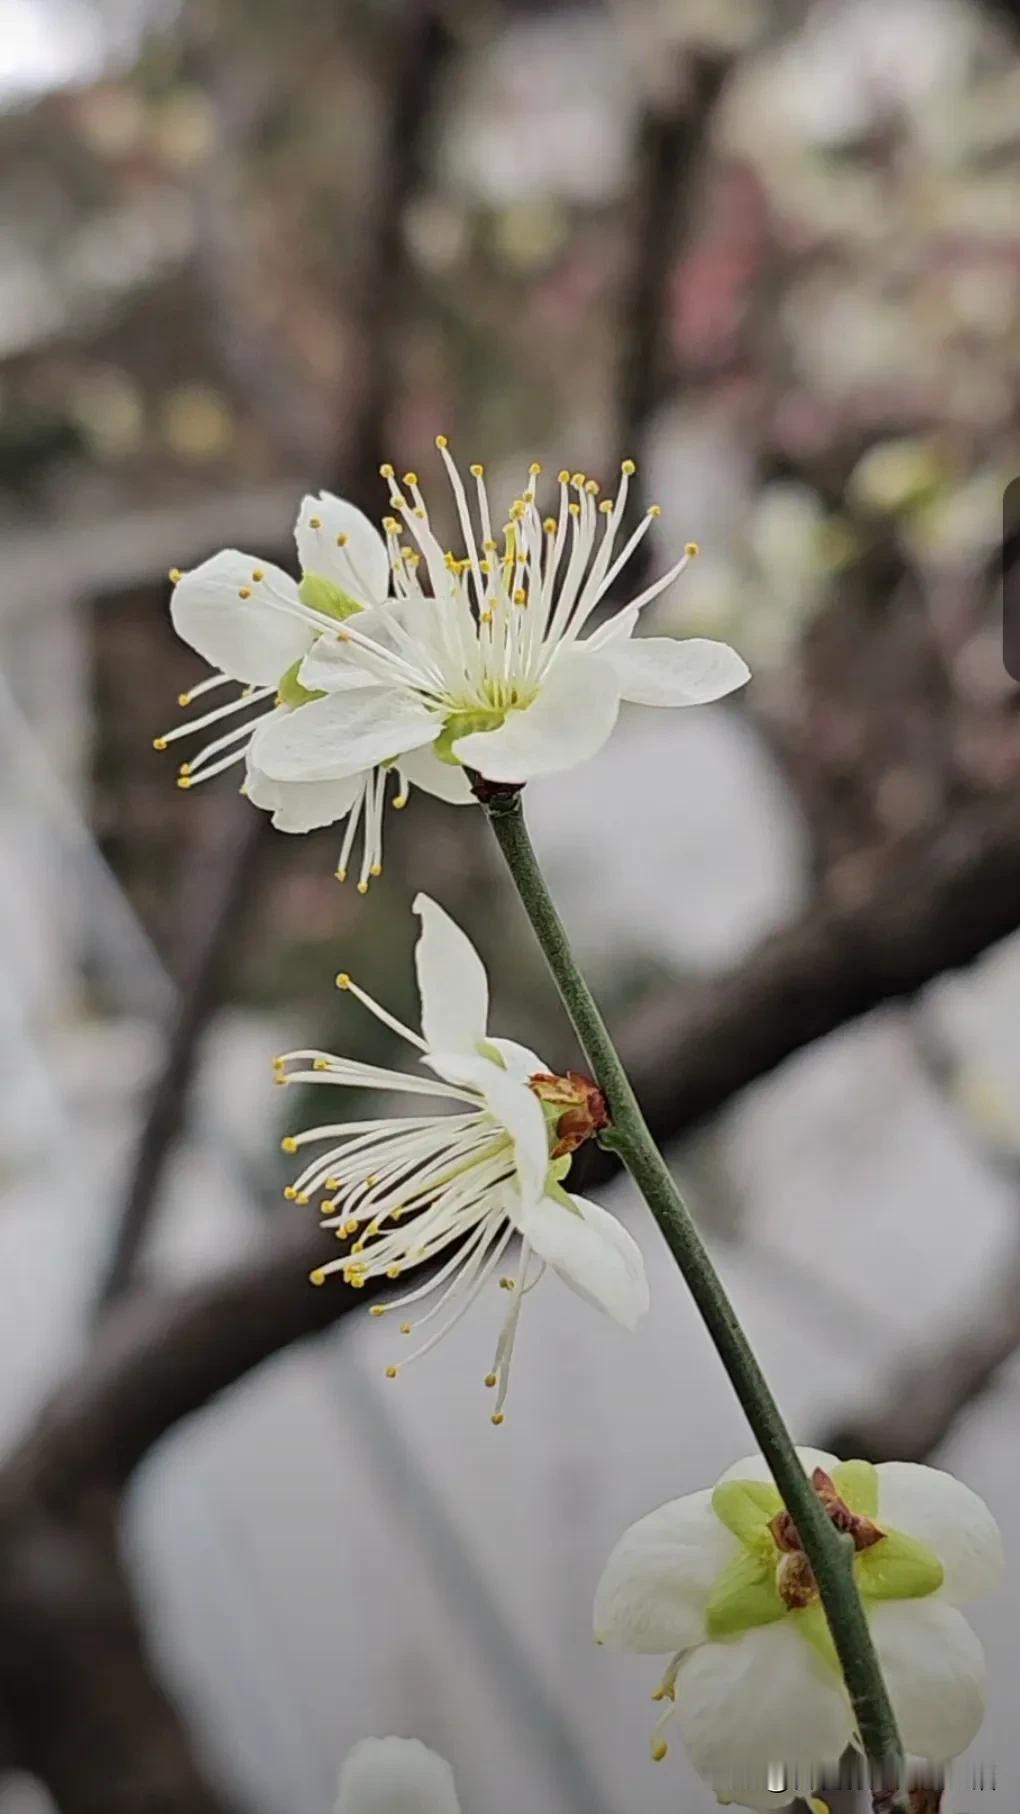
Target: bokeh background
<point x="771" y="251"/>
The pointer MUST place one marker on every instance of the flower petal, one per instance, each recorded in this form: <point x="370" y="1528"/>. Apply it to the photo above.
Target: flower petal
<point x="342" y="734"/>
<point x="934" y="1669"/>
<point x="330" y="667"/>
<point x="338" y="541"/>
<point x="755" y="1467"/>
<point x="423" y="769"/>
<point x="510" y="1103"/>
<point x="593" y="1253"/>
<point x="396" y="1776"/>
<point x="947" y="1516"/>
<point x="753" y="1705"/>
<point x="452" y="983"/>
<point x="300" y="805"/>
<point x="570" y="719"/>
<point x="240" y="624"/>
<point x="660" y="670"/>
<point x="655" y="1587"/>
<point x="520" y="1061"/>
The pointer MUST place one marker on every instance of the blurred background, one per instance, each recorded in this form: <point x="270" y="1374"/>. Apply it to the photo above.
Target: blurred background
<point x="771" y="251"/>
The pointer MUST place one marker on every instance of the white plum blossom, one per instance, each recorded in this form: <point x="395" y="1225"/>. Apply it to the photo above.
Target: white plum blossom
<point x="718" y="1580"/>
<point x="395" y="1776"/>
<point x="501" y="665"/>
<point x="455" y="1185"/>
<point x="255" y="625"/>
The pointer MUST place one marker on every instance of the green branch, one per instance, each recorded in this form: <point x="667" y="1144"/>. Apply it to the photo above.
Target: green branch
<point x="829" y="1553"/>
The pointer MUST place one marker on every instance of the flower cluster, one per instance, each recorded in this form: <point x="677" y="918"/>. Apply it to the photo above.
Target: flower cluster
<point x="458" y="671"/>
<point x="395" y="655"/>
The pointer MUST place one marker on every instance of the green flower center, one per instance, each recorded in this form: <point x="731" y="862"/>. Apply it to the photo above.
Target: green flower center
<point x="772" y="1579"/>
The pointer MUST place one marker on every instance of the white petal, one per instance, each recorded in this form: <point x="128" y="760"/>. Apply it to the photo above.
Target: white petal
<point x="952" y="1520"/>
<point x="654" y="1589"/>
<point x="251" y="638"/>
<point x="520" y="1061"/>
<point x="765" y="1698"/>
<point x="593" y="1254"/>
<point x="516" y="1109"/>
<point x="659" y="670"/>
<point x="396" y="1776"/>
<point x="331" y="666"/>
<point x="343" y="734"/>
<point x="571" y="718"/>
<point x="340" y="662"/>
<point x="452" y="983"/>
<point x="424" y="769"/>
<point x="361" y="567"/>
<point x="300" y="805"/>
<point x="755" y="1467"/>
<point x="934" y="1669"/>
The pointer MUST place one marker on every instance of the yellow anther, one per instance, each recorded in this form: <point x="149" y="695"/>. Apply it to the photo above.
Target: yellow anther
<point x="343" y="981"/>
<point x="574" y="509"/>
<point x="486" y="617"/>
<point x="393" y="1272"/>
<point x="660" y="1751"/>
<point x="391" y="525"/>
<point x="342" y="539"/>
<point x="244" y="592"/>
<point x="405" y="1328"/>
<point x="592" y="487"/>
<point x="477" y="471"/>
<point x="159" y="743"/>
<point x="497" y="1418"/>
<point x="258" y="574"/>
<point x="386" y="470"/>
<point x="320" y="1064"/>
<point x="303" y="1198"/>
<point x="359" y="1247"/>
<point x="485" y="567"/>
<point x="563" y="478"/>
<point x="629" y="467"/>
<point x="535" y="468"/>
<point x="362" y="887"/>
<point x="520" y="596"/>
<point x="377" y="1310"/>
<point x="315" y="522"/>
<point x="341" y="875"/>
<point x="376" y="870"/>
<point x="410" y="478"/>
<point x="399" y="803"/>
<point x="289" y="1192"/>
<point x="318" y="1277"/>
<point x="184" y="698"/>
<point x="654" y="510"/>
<point x="508" y="1284"/>
<point x="185" y="768"/>
<point x="490" y="1379"/>
<point x="351" y="1228"/>
<point x="332" y="1184"/>
<point x="398" y="501"/>
<point x="692" y="550"/>
<point x="441" y="441"/>
<point x="490" y="547"/>
<point x="550" y="525"/>
<point x="395" y="1214"/>
<point x="391" y="1372"/>
<point x="184" y="781"/>
<point x="606" y="507"/>
<point x="578" y="478"/>
<point x="288" y="1144"/>
<point x="175" y="576"/>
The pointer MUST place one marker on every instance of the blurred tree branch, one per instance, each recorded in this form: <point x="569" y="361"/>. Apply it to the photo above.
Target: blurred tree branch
<point x="225" y="885"/>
